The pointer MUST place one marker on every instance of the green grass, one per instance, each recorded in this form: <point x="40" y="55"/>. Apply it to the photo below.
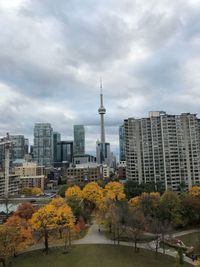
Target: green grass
<point x="192" y="239"/>
<point x="94" y="256"/>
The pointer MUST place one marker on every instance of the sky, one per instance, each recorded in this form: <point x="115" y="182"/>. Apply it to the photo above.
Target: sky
<point x="52" y="54"/>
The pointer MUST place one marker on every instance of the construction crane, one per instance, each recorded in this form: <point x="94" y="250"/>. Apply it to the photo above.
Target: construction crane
<point x="6" y="142"/>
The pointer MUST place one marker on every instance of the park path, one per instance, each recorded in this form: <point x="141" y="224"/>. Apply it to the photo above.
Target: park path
<point x="185" y="232"/>
<point x="94" y="236"/>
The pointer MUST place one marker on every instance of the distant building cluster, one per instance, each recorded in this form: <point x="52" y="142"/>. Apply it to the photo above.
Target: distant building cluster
<point x="162" y="149"/>
<point x="51" y="160"/>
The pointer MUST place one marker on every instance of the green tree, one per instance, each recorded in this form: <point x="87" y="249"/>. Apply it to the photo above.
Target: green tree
<point x="170" y="208"/>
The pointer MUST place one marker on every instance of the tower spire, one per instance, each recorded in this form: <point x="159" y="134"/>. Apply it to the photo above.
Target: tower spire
<point x="102" y="111"/>
<point x="101" y="86"/>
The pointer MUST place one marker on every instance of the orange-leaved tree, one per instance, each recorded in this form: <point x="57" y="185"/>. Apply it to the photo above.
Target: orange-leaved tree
<point x="6" y="244"/>
<point x="21" y="233"/>
<point x="73" y="192"/>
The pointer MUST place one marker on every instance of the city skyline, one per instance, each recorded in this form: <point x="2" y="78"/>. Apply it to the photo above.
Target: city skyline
<point x="147" y="54"/>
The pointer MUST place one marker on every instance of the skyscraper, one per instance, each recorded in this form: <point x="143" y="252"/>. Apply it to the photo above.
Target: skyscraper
<point x="121" y="143"/>
<point x="18" y="148"/>
<point x="56" y="139"/>
<point x="43" y="144"/>
<point x="26" y="146"/>
<point x="163" y="149"/>
<point x="65" y="151"/>
<point x="79" y="140"/>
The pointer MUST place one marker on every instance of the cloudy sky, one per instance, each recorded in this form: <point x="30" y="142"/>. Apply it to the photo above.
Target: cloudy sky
<point x="52" y="54"/>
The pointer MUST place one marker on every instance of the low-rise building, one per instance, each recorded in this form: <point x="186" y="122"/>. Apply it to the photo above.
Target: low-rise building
<point x="13" y="185"/>
<point x="82" y="173"/>
<point x="30" y="175"/>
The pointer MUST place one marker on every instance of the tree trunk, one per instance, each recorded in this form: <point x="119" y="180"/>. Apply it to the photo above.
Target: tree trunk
<point x="46" y="243"/>
<point x="118" y="235"/>
<point x="110" y="228"/>
<point x="70" y="243"/>
<point x="135" y="244"/>
<point x="60" y="232"/>
<point x="163" y="242"/>
<point x="156" y="251"/>
<point x="3" y="261"/>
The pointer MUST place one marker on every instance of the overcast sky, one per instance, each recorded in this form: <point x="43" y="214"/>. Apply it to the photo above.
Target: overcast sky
<point x="52" y="54"/>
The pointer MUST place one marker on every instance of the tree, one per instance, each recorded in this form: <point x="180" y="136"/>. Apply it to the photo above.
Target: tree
<point x="198" y="263"/>
<point x="177" y="261"/>
<point x="43" y="221"/>
<point x="25" y="210"/>
<point x="181" y="256"/>
<point x="160" y="228"/>
<point x="64" y="218"/>
<point x="92" y="194"/>
<point x="115" y="191"/>
<point x="54" y="216"/>
<point x="135" y="202"/>
<point x="116" y="218"/>
<point x="170" y="208"/>
<point x="136" y="224"/>
<point x="191" y="209"/>
<point x="73" y="192"/>
<point x="195" y="191"/>
<point x="133" y="189"/>
<point x="62" y="190"/>
<point x="21" y="233"/>
<point x="77" y="208"/>
<point x="149" y="203"/>
<point x="31" y="191"/>
<point x="6" y="244"/>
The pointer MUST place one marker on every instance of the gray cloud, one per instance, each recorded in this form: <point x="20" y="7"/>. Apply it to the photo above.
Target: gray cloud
<point x="52" y="54"/>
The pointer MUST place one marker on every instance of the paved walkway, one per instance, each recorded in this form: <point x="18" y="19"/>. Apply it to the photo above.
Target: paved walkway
<point x="94" y="236"/>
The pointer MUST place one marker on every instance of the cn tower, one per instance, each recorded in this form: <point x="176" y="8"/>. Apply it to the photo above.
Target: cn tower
<point x="102" y="111"/>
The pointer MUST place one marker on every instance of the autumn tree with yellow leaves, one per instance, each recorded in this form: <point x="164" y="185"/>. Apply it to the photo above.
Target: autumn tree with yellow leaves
<point x="31" y="191"/>
<point x="195" y="191"/>
<point x="53" y="216"/>
<point x="115" y="191"/>
<point x="73" y="192"/>
<point x="92" y="194"/>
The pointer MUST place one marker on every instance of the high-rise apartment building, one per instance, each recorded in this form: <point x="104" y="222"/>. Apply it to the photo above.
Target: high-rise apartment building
<point x="163" y="149"/>
<point x="43" y="144"/>
<point x="121" y="143"/>
<point x="79" y="140"/>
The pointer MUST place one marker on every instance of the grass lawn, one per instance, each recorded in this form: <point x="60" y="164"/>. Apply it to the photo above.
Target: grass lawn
<point x="192" y="240"/>
<point x="94" y="256"/>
